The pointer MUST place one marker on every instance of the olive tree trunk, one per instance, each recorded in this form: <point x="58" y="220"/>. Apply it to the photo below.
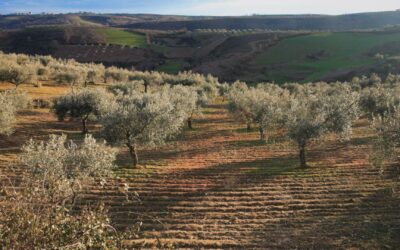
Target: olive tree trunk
<point x="133" y="153"/>
<point x="248" y="127"/>
<point x="302" y="155"/>
<point x="189" y="123"/>
<point x="85" y="129"/>
<point x="262" y="134"/>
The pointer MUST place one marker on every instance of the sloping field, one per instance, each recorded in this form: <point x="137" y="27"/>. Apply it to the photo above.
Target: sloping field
<point x="219" y="187"/>
<point x="309" y="58"/>
<point x="122" y="37"/>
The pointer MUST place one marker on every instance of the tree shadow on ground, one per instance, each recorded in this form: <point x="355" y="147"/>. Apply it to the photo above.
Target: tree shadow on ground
<point x="371" y="222"/>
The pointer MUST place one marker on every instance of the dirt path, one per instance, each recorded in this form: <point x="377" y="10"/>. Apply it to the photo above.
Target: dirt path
<point x="218" y="187"/>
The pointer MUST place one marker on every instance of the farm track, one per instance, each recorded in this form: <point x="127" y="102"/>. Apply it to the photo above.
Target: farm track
<point x="218" y="187"/>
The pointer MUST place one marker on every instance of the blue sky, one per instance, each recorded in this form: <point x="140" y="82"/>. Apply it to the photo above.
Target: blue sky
<point x="200" y="7"/>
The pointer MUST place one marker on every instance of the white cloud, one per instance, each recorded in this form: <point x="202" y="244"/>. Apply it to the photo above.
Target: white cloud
<point x="244" y="7"/>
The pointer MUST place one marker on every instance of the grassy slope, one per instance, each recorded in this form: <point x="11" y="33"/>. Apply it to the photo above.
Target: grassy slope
<point x="172" y="66"/>
<point x="121" y="37"/>
<point x="342" y="51"/>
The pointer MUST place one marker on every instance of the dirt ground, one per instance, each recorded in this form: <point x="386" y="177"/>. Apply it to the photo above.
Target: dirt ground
<point x="218" y="187"/>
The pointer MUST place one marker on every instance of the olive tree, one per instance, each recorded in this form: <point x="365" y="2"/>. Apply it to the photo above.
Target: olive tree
<point x="43" y="214"/>
<point x="125" y="88"/>
<point x="11" y="102"/>
<point x="7" y="114"/>
<point x="187" y="100"/>
<point x="86" y="105"/>
<point x="63" y="165"/>
<point x="147" y="78"/>
<point x="16" y="74"/>
<point x="141" y="119"/>
<point x="388" y="140"/>
<point x="259" y="105"/>
<point x="116" y="74"/>
<point x="311" y="116"/>
<point x="379" y="101"/>
<point x="71" y="77"/>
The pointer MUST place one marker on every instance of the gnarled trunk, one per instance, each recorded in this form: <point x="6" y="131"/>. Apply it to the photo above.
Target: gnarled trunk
<point x="262" y="134"/>
<point x="302" y="155"/>
<point x="248" y="127"/>
<point x="85" y="130"/>
<point x="189" y="122"/>
<point x="133" y="153"/>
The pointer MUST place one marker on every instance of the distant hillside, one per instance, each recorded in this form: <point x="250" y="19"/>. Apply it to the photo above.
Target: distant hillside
<point x="295" y="22"/>
<point x="175" y="22"/>
<point x="87" y="19"/>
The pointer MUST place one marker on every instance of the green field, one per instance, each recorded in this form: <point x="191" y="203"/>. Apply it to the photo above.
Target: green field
<point x="172" y="66"/>
<point x="311" y="57"/>
<point x="121" y="37"/>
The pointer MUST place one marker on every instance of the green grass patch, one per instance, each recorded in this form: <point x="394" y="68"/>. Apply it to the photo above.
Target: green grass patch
<point x="122" y="37"/>
<point x="172" y="66"/>
<point x="311" y="57"/>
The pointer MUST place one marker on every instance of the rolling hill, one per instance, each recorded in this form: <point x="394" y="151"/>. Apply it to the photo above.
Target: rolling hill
<point x="281" y="48"/>
<point x="294" y="22"/>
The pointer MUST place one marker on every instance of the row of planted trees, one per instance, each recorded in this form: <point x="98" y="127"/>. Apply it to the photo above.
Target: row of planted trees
<point x="307" y="112"/>
<point x="43" y="214"/>
<point x="130" y="117"/>
<point x="23" y="69"/>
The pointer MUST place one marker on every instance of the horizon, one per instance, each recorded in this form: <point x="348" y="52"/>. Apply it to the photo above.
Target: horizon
<point x="196" y="7"/>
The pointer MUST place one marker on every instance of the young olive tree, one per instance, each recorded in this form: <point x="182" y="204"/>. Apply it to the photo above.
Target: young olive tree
<point x="63" y="166"/>
<point x="388" y="141"/>
<point x="259" y="105"/>
<point x="43" y="214"/>
<point x="311" y="116"/>
<point x="147" y="78"/>
<point x="7" y="114"/>
<point x="379" y="101"/>
<point x="69" y="76"/>
<point x="115" y="74"/>
<point x="141" y="119"/>
<point x="86" y="105"/>
<point x="238" y="104"/>
<point x="11" y="102"/>
<point x="16" y="74"/>
<point x="125" y="88"/>
<point x="187" y="101"/>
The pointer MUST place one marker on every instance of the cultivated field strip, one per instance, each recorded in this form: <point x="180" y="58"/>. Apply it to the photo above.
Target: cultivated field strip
<point x="218" y="187"/>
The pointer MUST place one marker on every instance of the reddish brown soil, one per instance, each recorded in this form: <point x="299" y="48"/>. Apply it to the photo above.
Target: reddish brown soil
<point x="219" y="187"/>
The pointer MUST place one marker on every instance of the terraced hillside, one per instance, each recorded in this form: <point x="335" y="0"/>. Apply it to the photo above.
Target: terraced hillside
<point x="123" y="56"/>
<point x="219" y="187"/>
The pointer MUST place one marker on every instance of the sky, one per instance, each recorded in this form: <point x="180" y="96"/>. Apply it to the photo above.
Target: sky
<point x="200" y="7"/>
